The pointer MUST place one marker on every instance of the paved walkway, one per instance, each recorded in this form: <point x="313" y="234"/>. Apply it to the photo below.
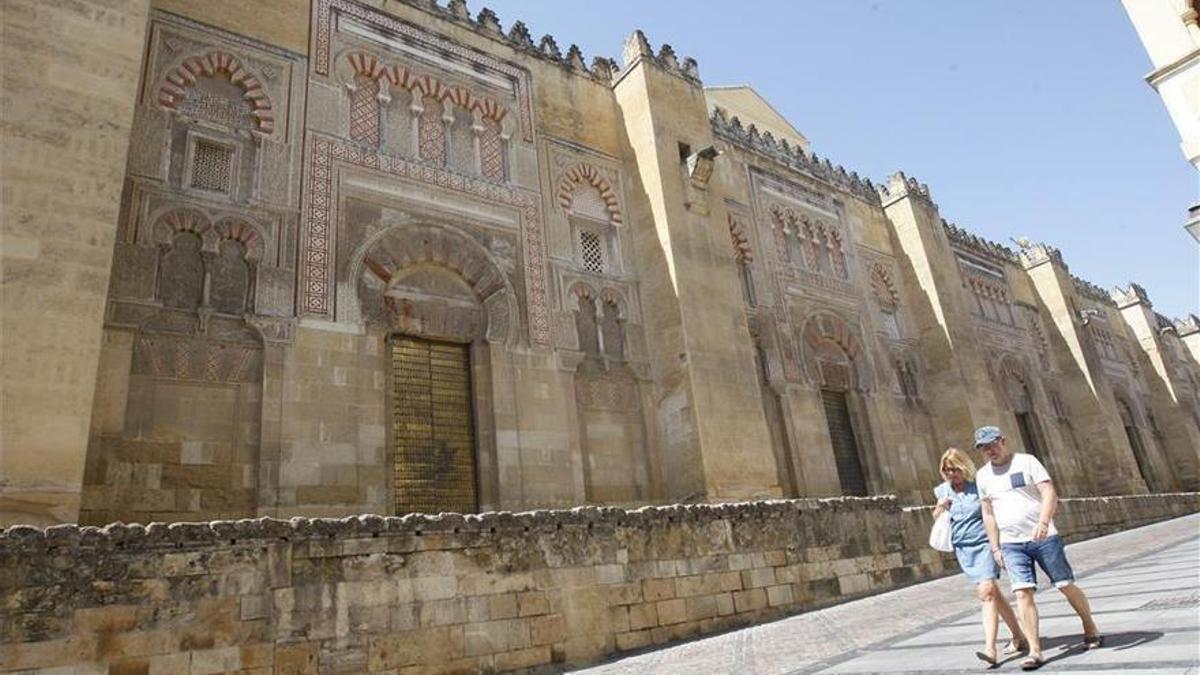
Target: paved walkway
<point x="1144" y="586"/>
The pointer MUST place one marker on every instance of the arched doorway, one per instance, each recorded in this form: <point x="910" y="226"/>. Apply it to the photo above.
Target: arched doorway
<point x="441" y="302"/>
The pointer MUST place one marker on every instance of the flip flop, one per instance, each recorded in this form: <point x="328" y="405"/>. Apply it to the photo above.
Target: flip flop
<point x="1032" y="663"/>
<point x="1015" y="646"/>
<point x="990" y="660"/>
<point x="1093" y="641"/>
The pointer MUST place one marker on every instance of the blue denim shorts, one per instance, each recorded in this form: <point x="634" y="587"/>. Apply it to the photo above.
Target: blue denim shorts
<point x="977" y="562"/>
<point x="1047" y="553"/>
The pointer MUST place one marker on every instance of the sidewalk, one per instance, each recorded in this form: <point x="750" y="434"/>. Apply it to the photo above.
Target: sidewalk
<point x="1144" y="587"/>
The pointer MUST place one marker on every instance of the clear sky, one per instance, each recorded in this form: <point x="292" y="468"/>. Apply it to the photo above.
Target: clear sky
<point x="1025" y="117"/>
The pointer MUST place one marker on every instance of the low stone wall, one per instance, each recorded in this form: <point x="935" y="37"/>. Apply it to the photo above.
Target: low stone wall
<point x="494" y="592"/>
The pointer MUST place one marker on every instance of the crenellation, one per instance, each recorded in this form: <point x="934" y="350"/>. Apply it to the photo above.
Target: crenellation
<point x="488" y="21"/>
<point x="1133" y="294"/>
<point x="731" y="129"/>
<point x="1188" y="325"/>
<point x="1092" y="291"/>
<point x="977" y="244"/>
<point x="519" y="35"/>
<point x="575" y="59"/>
<point x="637" y="48"/>
<point x="548" y="48"/>
<point x="1033" y="253"/>
<point x="899" y="185"/>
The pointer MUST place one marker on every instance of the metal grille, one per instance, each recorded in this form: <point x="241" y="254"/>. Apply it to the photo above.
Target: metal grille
<point x="845" y="446"/>
<point x="431" y="427"/>
<point x="592" y="251"/>
<point x="210" y="166"/>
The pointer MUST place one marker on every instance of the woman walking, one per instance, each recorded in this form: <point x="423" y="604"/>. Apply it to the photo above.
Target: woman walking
<point x="959" y="495"/>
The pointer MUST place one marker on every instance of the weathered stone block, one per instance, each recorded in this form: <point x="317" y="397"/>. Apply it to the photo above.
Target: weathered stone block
<point x="779" y="595"/>
<point x="749" y="600"/>
<point x="532" y="603"/>
<point x="658" y="589"/>
<point x="672" y="611"/>
<point x="546" y="630"/>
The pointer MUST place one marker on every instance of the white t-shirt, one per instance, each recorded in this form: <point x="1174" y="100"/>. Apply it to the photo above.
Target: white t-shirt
<point x="1013" y="493"/>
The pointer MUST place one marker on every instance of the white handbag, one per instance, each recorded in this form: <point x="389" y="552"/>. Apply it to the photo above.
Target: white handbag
<point x="939" y="536"/>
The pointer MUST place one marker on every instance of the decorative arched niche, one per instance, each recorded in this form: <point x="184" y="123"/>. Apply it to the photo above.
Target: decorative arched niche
<point x="436" y="282"/>
<point x="834" y="355"/>
<point x="216" y="86"/>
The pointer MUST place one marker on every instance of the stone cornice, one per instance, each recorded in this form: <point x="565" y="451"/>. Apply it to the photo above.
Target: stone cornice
<point x="1159" y="74"/>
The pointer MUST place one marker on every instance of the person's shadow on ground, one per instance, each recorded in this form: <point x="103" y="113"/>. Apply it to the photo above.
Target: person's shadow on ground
<point x="1073" y="644"/>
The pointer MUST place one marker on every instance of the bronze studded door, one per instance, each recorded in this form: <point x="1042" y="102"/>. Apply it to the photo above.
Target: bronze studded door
<point x="433" y="435"/>
<point x="845" y="446"/>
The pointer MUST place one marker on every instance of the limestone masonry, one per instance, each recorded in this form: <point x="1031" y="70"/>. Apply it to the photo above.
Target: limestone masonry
<point x="391" y="257"/>
<point x="452" y="593"/>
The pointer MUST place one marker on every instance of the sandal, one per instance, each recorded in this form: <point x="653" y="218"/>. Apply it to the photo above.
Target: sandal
<point x="1015" y="646"/>
<point x="988" y="659"/>
<point x="1032" y="663"/>
<point x="1093" y="641"/>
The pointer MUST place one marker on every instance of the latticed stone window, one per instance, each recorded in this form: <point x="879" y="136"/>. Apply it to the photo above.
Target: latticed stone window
<point x="364" y="110"/>
<point x="491" y="151"/>
<point x="591" y="251"/>
<point x="211" y="166"/>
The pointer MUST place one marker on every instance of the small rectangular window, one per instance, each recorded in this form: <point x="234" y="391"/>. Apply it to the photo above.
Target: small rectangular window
<point x="211" y="166"/>
<point x="591" y="251"/>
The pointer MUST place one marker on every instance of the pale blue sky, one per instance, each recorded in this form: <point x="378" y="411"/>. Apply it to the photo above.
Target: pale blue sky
<point x="1025" y="117"/>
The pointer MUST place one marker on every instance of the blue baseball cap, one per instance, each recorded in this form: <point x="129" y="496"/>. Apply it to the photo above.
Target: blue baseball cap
<point x="985" y="435"/>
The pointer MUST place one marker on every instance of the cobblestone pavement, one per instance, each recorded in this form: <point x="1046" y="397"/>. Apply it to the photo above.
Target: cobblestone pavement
<point x="1144" y="586"/>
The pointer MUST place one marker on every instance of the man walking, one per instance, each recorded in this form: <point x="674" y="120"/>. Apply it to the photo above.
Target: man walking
<point x="1019" y="501"/>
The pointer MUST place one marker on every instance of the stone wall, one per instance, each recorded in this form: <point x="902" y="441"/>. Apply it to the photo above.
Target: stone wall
<point x="493" y="592"/>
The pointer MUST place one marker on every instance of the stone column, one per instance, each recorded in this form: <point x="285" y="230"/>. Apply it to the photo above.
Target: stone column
<point x="70" y="76"/>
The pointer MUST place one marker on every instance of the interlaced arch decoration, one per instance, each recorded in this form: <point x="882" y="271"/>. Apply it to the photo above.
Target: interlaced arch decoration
<point x="365" y="64"/>
<point x="389" y="255"/>
<point x="586" y="174"/>
<point x="184" y="76"/>
<point x="811" y="242"/>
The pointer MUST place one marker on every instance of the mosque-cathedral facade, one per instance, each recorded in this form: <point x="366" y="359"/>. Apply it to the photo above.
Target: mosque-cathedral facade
<point x="392" y="256"/>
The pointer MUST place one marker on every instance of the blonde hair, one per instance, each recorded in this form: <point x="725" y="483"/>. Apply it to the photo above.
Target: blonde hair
<point x="958" y="459"/>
